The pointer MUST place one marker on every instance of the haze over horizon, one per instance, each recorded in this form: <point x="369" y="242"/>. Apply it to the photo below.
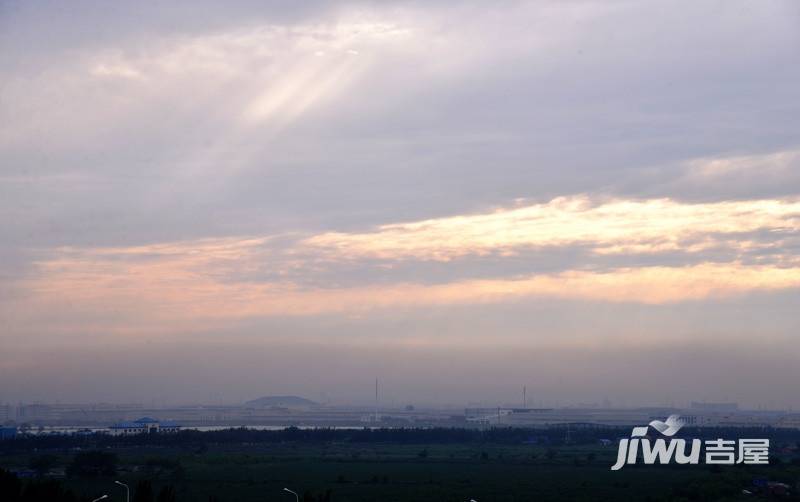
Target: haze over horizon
<point x="597" y="200"/>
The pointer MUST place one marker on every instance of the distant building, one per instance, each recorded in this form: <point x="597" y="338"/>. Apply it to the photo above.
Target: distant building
<point x="715" y="406"/>
<point x="36" y="411"/>
<point x="790" y="421"/>
<point x="6" y="413"/>
<point x="290" y="402"/>
<point x="8" y="433"/>
<point x="143" y="425"/>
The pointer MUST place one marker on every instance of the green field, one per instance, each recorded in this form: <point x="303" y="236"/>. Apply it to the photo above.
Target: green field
<point x="411" y="472"/>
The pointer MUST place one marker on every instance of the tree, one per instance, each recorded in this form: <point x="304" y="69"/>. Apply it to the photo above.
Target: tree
<point x="10" y="486"/>
<point x="36" y="491"/>
<point x="166" y="494"/>
<point x="157" y="466"/>
<point x="42" y="464"/>
<point x="93" y="464"/>
<point x="144" y="492"/>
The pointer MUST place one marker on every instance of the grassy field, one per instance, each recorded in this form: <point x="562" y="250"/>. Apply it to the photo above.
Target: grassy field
<point x="417" y="472"/>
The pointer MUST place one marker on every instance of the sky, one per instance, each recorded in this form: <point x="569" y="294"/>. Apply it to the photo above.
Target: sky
<point x="211" y="202"/>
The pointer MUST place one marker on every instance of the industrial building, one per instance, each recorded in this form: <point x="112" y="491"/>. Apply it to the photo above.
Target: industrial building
<point x="143" y="425"/>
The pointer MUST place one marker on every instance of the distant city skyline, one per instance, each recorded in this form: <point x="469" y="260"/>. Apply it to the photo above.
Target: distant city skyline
<point x="276" y="412"/>
<point x="392" y="403"/>
<point x="596" y="200"/>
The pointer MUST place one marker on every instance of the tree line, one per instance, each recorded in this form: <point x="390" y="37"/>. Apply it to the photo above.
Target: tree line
<point x="441" y="435"/>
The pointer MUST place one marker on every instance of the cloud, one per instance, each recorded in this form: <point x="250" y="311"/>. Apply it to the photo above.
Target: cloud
<point x="191" y="169"/>
<point x="116" y="70"/>
<point x="607" y="227"/>
<point x="184" y="286"/>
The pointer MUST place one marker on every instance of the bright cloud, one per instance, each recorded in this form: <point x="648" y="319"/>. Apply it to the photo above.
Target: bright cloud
<point x="184" y="285"/>
<point x="616" y="226"/>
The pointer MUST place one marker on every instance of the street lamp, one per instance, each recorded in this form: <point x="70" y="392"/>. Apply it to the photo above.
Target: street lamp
<point x="100" y="498"/>
<point x="296" y="496"/>
<point x="127" y="490"/>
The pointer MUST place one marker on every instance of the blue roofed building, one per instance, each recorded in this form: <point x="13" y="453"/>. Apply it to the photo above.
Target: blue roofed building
<point x="144" y="425"/>
<point x="8" y="433"/>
